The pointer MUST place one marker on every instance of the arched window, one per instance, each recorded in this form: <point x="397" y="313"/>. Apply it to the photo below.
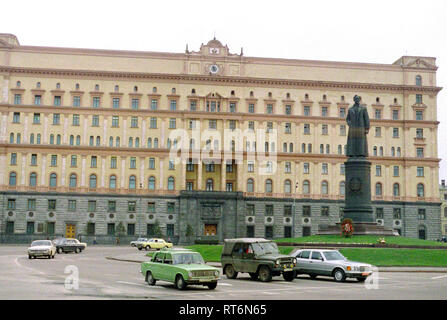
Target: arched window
<point x="11" y="137"/>
<point x="266" y="147"/>
<point x="78" y="140"/>
<point x="171" y="183"/>
<point x="32" y="179"/>
<point x="73" y="180"/>
<point x="303" y="148"/>
<point x="31" y="138"/>
<point x="137" y="142"/>
<point x="321" y="148"/>
<point x="111" y="142"/>
<point x="156" y="143"/>
<point x="117" y="88"/>
<point x="378" y="189"/>
<point x="151" y="183"/>
<point x="98" y="141"/>
<point x="393" y="151"/>
<point x="309" y="148"/>
<point x="418" y="80"/>
<point x="375" y="151"/>
<point x="53" y="180"/>
<point x="19" y="137"/>
<point x="272" y="146"/>
<point x="51" y="138"/>
<point x="130" y="142"/>
<point x="287" y="186"/>
<point x="12" y="179"/>
<point x="340" y="149"/>
<point x="18" y="84"/>
<point x="168" y="145"/>
<point x="149" y="142"/>
<point x="96" y="87"/>
<point x="192" y="144"/>
<point x="250" y="185"/>
<point x="92" y="181"/>
<point x="71" y="140"/>
<point x="77" y="86"/>
<point x="422" y="232"/>
<point x="398" y="152"/>
<point x="420" y="190"/>
<point x="345" y="150"/>
<point x="91" y="141"/>
<point x="268" y="186"/>
<point x="58" y="139"/>
<point x="306" y="187"/>
<point x="132" y="182"/>
<point x="290" y="147"/>
<point x="396" y="190"/>
<point x="209" y="185"/>
<point x="117" y="141"/>
<point x="112" y="182"/>
<point x="342" y="188"/>
<point x="135" y="89"/>
<point x="284" y="147"/>
<point x="328" y="149"/>
<point x="381" y="151"/>
<point x="324" y="187"/>
<point x="38" y="138"/>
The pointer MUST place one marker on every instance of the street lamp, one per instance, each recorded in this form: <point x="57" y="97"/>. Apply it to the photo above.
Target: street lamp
<point x="293" y="213"/>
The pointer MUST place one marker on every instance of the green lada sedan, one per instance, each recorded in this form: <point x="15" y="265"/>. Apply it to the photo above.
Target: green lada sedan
<point x="180" y="266"/>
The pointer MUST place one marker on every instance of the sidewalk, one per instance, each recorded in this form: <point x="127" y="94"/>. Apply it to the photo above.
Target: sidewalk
<point x="139" y="257"/>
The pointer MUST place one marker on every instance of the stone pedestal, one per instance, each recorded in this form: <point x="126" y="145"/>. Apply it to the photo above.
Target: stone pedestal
<point x="358" y="190"/>
<point x="361" y="228"/>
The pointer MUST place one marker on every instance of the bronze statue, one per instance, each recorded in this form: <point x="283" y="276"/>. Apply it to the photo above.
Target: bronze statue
<point x="358" y="122"/>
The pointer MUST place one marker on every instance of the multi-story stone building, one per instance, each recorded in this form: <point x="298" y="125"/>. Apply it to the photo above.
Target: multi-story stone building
<point x="208" y="144"/>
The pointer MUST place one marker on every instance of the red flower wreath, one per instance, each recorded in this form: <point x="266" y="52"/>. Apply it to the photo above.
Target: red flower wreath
<point x="347" y="230"/>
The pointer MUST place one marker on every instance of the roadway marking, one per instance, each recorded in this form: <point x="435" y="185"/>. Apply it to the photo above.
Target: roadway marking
<point x="132" y="283"/>
<point x="439" y="277"/>
<point x="224" y="284"/>
<point x="17" y="263"/>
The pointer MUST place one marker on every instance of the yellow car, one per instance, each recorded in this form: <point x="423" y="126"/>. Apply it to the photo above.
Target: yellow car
<point x="154" y="243"/>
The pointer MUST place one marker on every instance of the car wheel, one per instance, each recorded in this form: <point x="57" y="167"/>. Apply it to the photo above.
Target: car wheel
<point x="49" y="256"/>
<point x="180" y="282"/>
<point x="59" y="250"/>
<point x="30" y="257"/>
<point x="265" y="274"/>
<point x="313" y="276"/>
<point x="147" y="248"/>
<point x="230" y="272"/>
<point x="289" y="275"/>
<point x="339" y="275"/>
<point x="150" y="279"/>
<point x="52" y="257"/>
<point x="140" y="248"/>
<point x="212" y="286"/>
<point x="77" y="250"/>
<point x="361" y="279"/>
<point x="253" y="275"/>
<point x="133" y="245"/>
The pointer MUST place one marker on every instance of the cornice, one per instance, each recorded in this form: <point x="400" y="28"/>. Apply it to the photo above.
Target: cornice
<point x="229" y="80"/>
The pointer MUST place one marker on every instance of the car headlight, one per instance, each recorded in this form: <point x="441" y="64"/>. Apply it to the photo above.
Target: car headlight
<point x="277" y="261"/>
<point x="190" y="274"/>
<point x="216" y="273"/>
<point x="294" y="261"/>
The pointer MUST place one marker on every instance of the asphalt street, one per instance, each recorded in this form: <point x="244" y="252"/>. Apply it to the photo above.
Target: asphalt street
<point x="101" y="278"/>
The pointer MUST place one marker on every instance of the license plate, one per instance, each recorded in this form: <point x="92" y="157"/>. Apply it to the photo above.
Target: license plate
<point x="204" y="280"/>
<point x="288" y="269"/>
<point x="366" y="273"/>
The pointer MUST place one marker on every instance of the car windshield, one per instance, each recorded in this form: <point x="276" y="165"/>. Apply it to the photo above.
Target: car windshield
<point x="334" y="255"/>
<point x="41" y="243"/>
<point x="187" y="258"/>
<point x="261" y="248"/>
<point x="141" y="239"/>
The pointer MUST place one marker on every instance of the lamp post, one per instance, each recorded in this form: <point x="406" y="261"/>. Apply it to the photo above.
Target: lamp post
<point x="293" y="213"/>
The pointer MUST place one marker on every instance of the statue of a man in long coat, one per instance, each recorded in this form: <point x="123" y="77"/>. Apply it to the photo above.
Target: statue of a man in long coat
<point x="358" y="122"/>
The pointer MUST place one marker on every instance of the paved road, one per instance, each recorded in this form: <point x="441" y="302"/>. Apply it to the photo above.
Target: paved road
<point x="100" y="278"/>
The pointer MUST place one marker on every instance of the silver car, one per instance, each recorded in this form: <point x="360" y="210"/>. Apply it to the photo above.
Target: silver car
<point x="320" y="262"/>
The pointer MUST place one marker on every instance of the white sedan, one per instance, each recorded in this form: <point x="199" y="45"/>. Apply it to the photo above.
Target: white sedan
<point x="41" y="248"/>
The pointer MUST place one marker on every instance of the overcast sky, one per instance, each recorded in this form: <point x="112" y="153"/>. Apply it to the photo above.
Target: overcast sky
<point x="357" y="31"/>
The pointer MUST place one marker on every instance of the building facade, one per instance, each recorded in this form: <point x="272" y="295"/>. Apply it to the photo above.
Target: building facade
<point x="206" y="145"/>
<point x="443" y="196"/>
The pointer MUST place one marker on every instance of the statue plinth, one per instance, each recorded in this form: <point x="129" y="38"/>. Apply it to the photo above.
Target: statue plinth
<point x="358" y="190"/>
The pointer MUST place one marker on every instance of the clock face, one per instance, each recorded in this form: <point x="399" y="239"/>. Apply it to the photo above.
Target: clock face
<point x="214" y="50"/>
<point x="214" y="68"/>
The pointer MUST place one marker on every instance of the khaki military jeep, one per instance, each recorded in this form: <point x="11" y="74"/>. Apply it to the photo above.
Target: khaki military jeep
<point x="258" y="257"/>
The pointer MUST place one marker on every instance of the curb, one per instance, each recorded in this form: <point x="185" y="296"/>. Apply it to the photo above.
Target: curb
<point x="381" y="269"/>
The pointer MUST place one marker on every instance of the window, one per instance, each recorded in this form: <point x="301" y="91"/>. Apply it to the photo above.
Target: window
<point x="342" y="169"/>
<point x="75" y="120"/>
<point x="212" y="124"/>
<point x="306" y="168"/>
<point x="395" y="114"/>
<point x="93" y="162"/>
<point x="151" y="183"/>
<point x="31" y="204"/>
<point x="172" y="123"/>
<point x="111" y="206"/>
<point x="306" y="211"/>
<point x="16" y="117"/>
<point x="419" y="98"/>
<point x="378" y="189"/>
<point x="193" y="105"/>
<point x="324" y="129"/>
<point x="73" y="162"/>
<point x="115" y="103"/>
<point x="250" y="185"/>
<point x="419" y="115"/>
<point x="37" y="99"/>
<point x="36" y="118"/>
<point x="306" y="111"/>
<point x="132" y="182"/>
<point x="378" y="131"/>
<point x="342" y="113"/>
<point x="287" y="186"/>
<point x="115" y="122"/>
<point x="324" y="188"/>
<point x="395" y="132"/>
<point x="343" y="130"/>
<point x="17" y="99"/>
<point x="113" y="162"/>
<point x="397" y="213"/>
<point x="420" y="190"/>
<point x="131" y="206"/>
<point x="29" y="227"/>
<point x="90" y="229"/>
<point x="378" y="171"/>
<point x="51" y="204"/>
<point x="324" y="112"/>
<point x="76" y="101"/>
<point x="378" y="113"/>
<point x="11" y="204"/>
<point x="324" y="168"/>
<point x="232" y="107"/>
<point x="13" y="159"/>
<point x="288" y="109"/>
<point x="269" y="210"/>
<point x="135" y="104"/>
<point x="34" y="159"/>
<point x="268" y="186"/>
<point x="73" y="180"/>
<point x="57" y="100"/>
<point x="306" y="187"/>
<point x="420" y="171"/>
<point x="95" y="121"/>
<point x="421" y="214"/>
<point x="91" y="206"/>
<point x="92" y="181"/>
<point x="379" y="213"/>
<point x="418" y="80"/>
<point x="251" y="108"/>
<point x="171" y="183"/>
<point x="270" y="108"/>
<point x="53" y="160"/>
<point x="288" y="167"/>
<point x="96" y="102"/>
<point x="325" y="211"/>
<point x="154" y="104"/>
<point x="342" y="187"/>
<point x="250" y="166"/>
<point x="110" y="229"/>
<point x="419" y="133"/>
<point x="420" y="152"/>
<point x="287" y="211"/>
<point x="112" y="182"/>
<point x="153" y="123"/>
<point x="306" y="128"/>
<point x="171" y="165"/>
<point x="396" y="171"/>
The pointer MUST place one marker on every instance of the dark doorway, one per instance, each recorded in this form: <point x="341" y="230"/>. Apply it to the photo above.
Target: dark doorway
<point x="306" y="231"/>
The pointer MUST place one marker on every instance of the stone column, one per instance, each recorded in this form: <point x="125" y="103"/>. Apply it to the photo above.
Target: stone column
<point x="240" y="177"/>
<point x="161" y="176"/>
<point x="223" y="175"/>
<point x="83" y="162"/>
<point x="199" y="175"/>
<point x="183" y="177"/>
<point x="123" y="173"/>
<point x="24" y="165"/>
<point x="43" y="172"/>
